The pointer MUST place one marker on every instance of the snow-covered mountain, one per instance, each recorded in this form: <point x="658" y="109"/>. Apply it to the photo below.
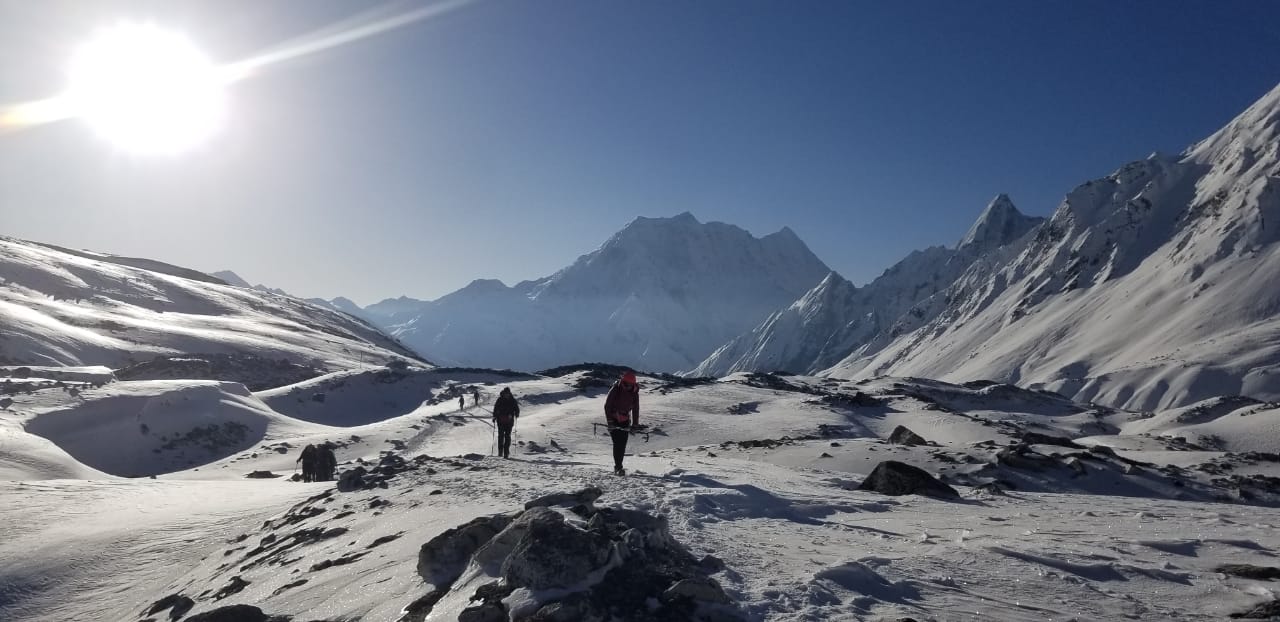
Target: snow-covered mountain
<point x="661" y="294"/>
<point x="1157" y="285"/>
<point x="835" y="318"/>
<point x="67" y="307"/>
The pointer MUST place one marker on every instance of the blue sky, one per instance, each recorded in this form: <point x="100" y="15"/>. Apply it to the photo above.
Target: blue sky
<point x="508" y="137"/>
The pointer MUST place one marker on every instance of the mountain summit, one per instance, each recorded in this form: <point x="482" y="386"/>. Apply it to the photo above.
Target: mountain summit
<point x="999" y="224"/>
<point x="836" y="318"/>
<point x="660" y="294"/>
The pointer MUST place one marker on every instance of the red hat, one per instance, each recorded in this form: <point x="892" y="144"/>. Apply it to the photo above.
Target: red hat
<point x="629" y="377"/>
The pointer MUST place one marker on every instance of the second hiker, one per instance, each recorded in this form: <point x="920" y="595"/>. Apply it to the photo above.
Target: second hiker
<point x="622" y="411"/>
<point x="505" y="411"/>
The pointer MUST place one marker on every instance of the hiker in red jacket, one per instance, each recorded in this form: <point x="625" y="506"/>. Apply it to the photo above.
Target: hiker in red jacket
<point x="622" y="411"/>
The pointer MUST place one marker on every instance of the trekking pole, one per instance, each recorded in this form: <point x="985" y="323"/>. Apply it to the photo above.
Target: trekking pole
<point x="493" y="448"/>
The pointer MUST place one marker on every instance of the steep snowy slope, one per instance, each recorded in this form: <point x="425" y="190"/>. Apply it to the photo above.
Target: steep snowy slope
<point x="835" y="318"/>
<point x="661" y="294"/>
<point x="79" y="308"/>
<point x="1154" y="286"/>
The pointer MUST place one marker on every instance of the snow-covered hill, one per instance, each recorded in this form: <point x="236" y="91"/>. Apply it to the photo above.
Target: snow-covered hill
<point x="1154" y="286"/>
<point x="661" y="294"/>
<point x="65" y="307"/>
<point x="836" y="318"/>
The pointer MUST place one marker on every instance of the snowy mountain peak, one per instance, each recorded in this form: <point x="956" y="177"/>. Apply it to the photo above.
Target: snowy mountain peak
<point x="999" y="224"/>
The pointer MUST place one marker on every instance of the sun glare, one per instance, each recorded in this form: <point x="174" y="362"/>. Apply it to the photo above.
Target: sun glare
<point x="146" y="89"/>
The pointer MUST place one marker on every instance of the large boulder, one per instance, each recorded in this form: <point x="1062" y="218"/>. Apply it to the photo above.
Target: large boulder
<point x="901" y="435"/>
<point x="445" y="556"/>
<point x="551" y="553"/>
<point x="895" y="478"/>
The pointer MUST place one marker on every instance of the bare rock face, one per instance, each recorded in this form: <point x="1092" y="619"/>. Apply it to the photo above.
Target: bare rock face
<point x="445" y="556"/>
<point x="903" y="436"/>
<point x="895" y="478"/>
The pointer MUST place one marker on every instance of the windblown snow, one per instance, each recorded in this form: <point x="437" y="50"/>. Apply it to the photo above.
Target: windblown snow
<point x="64" y="307"/>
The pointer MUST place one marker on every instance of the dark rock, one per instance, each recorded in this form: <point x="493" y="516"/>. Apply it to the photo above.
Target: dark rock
<point x="903" y="436"/>
<point x="177" y="604"/>
<point x="351" y="479"/>
<point x="1021" y="457"/>
<point x="445" y="556"/>
<point x="488" y="612"/>
<point x="711" y="564"/>
<point x="1249" y="571"/>
<point x="698" y="589"/>
<point x="473" y="457"/>
<point x="895" y="478"/>
<point x="234" y="586"/>
<point x="261" y="475"/>
<point x="551" y="553"/>
<point x="586" y="496"/>
<point x="1036" y="438"/>
<point x="418" y="610"/>
<point x="234" y="613"/>
<point x="1268" y="610"/>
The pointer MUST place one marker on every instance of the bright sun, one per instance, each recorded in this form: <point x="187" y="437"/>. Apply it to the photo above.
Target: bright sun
<point x="146" y="89"/>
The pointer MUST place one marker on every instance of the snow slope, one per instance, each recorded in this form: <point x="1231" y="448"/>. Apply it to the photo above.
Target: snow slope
<point x="79" y="308"/>
<point x="759" y="471"/>
<point x="1150" y="288"/>
<point x="836" y="318"/>
<point x="661" y="294"/>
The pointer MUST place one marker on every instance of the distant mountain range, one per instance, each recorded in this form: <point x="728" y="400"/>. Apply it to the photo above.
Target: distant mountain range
<point x="1151" y="287"/>
<point x="1156" y="286"/>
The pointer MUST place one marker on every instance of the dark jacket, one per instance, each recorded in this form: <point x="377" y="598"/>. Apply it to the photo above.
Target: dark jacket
<point x="622" y="407"/>
<point x="505" y="409"/>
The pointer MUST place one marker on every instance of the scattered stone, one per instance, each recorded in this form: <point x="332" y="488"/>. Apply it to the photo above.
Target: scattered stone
<point x="234" y="586"/>
<point x="903" y="436"/>
<point x="586" y="496"/>
<point x="1036" y="438"/>
<point x="384" y="539"/>
<point x="711" y="564"/>
<point x="1249" y="571"/>
<point x="1268" y="610"/>
<point x="177" y="604"/>
<point x="262" y="475"/>
<point x="288" y="586"/>
<point x="825" y="455"/>
<point x="473" y="457"/>
<point x="896" y="478"/>
<point x="700" y="589"/>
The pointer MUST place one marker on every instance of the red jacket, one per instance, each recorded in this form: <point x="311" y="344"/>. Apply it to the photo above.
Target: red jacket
<point x="622" y="407"/>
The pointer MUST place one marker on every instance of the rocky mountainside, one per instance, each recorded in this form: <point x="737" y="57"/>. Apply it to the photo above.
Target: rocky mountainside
<point x="661" y="294"/>
<point x="836" y="318"/>
<point x="1154" y="286"/>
